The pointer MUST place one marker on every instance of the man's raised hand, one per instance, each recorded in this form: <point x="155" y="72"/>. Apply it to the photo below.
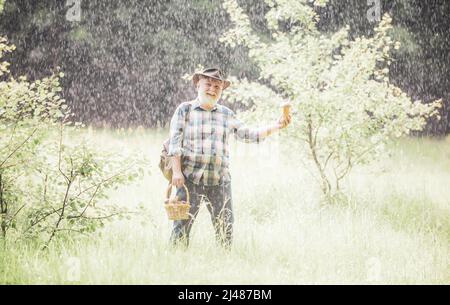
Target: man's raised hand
<point x="284" y="121"/>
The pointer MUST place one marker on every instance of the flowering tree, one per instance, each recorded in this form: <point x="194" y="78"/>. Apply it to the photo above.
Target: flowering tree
<point x="346" y="108"/>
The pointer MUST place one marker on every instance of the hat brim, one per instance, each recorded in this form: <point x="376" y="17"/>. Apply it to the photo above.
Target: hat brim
<point x="196" y="77"/>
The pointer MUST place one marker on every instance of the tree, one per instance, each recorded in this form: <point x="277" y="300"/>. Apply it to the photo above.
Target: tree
<point x="347" y="109"/>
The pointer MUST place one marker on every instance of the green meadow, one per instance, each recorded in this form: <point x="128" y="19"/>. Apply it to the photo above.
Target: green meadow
<point x="393" y="227"/>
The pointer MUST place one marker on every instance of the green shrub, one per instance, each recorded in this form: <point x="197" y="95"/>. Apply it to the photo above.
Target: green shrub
<point x="47" y="186"/>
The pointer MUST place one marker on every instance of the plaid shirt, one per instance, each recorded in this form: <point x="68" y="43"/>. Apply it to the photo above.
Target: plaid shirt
<point x="202" y="141"/>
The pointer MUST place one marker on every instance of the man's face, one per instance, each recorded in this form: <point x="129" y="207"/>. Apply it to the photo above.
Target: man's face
<point x="209" y="90"/>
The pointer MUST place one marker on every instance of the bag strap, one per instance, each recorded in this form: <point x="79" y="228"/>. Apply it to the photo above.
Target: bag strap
<point x="186" y="120"/>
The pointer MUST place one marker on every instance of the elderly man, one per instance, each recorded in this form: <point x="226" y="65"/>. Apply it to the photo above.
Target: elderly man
<point x="199" y="132"/>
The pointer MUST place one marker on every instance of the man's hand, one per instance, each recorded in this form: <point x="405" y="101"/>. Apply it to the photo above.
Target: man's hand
<point x="284" y="121"/>
<point x="177" y="178"/>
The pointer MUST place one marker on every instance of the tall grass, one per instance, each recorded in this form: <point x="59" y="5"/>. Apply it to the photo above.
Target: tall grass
<point x="393" y="228"/>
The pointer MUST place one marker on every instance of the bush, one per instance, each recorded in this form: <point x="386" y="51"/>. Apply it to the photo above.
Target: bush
<point x="47" y="186"/>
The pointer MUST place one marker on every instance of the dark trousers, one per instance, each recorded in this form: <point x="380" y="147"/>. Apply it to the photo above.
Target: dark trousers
<point x="219" y="205"/>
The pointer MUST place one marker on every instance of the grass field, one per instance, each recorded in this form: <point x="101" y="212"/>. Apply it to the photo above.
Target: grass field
<point x="394" y="228"/>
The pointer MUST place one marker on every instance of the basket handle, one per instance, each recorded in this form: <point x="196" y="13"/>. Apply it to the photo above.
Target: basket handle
<point x="169" y="191"/>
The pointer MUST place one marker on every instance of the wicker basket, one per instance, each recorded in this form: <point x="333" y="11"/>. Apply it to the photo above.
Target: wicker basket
<point x="177" y="209"/>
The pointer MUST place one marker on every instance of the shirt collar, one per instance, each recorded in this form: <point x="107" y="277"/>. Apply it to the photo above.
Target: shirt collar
<point x="196" y="104"/>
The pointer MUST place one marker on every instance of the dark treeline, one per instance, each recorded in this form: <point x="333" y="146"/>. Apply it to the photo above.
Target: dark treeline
<point x="124" y="60"/>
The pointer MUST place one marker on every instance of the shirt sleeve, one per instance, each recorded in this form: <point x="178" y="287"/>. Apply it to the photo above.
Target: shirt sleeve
<point x="244" y="133"/>
<point x="177" y="126"/>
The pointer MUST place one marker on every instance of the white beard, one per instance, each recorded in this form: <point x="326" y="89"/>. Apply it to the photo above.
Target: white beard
<point x="207" y="99"/>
